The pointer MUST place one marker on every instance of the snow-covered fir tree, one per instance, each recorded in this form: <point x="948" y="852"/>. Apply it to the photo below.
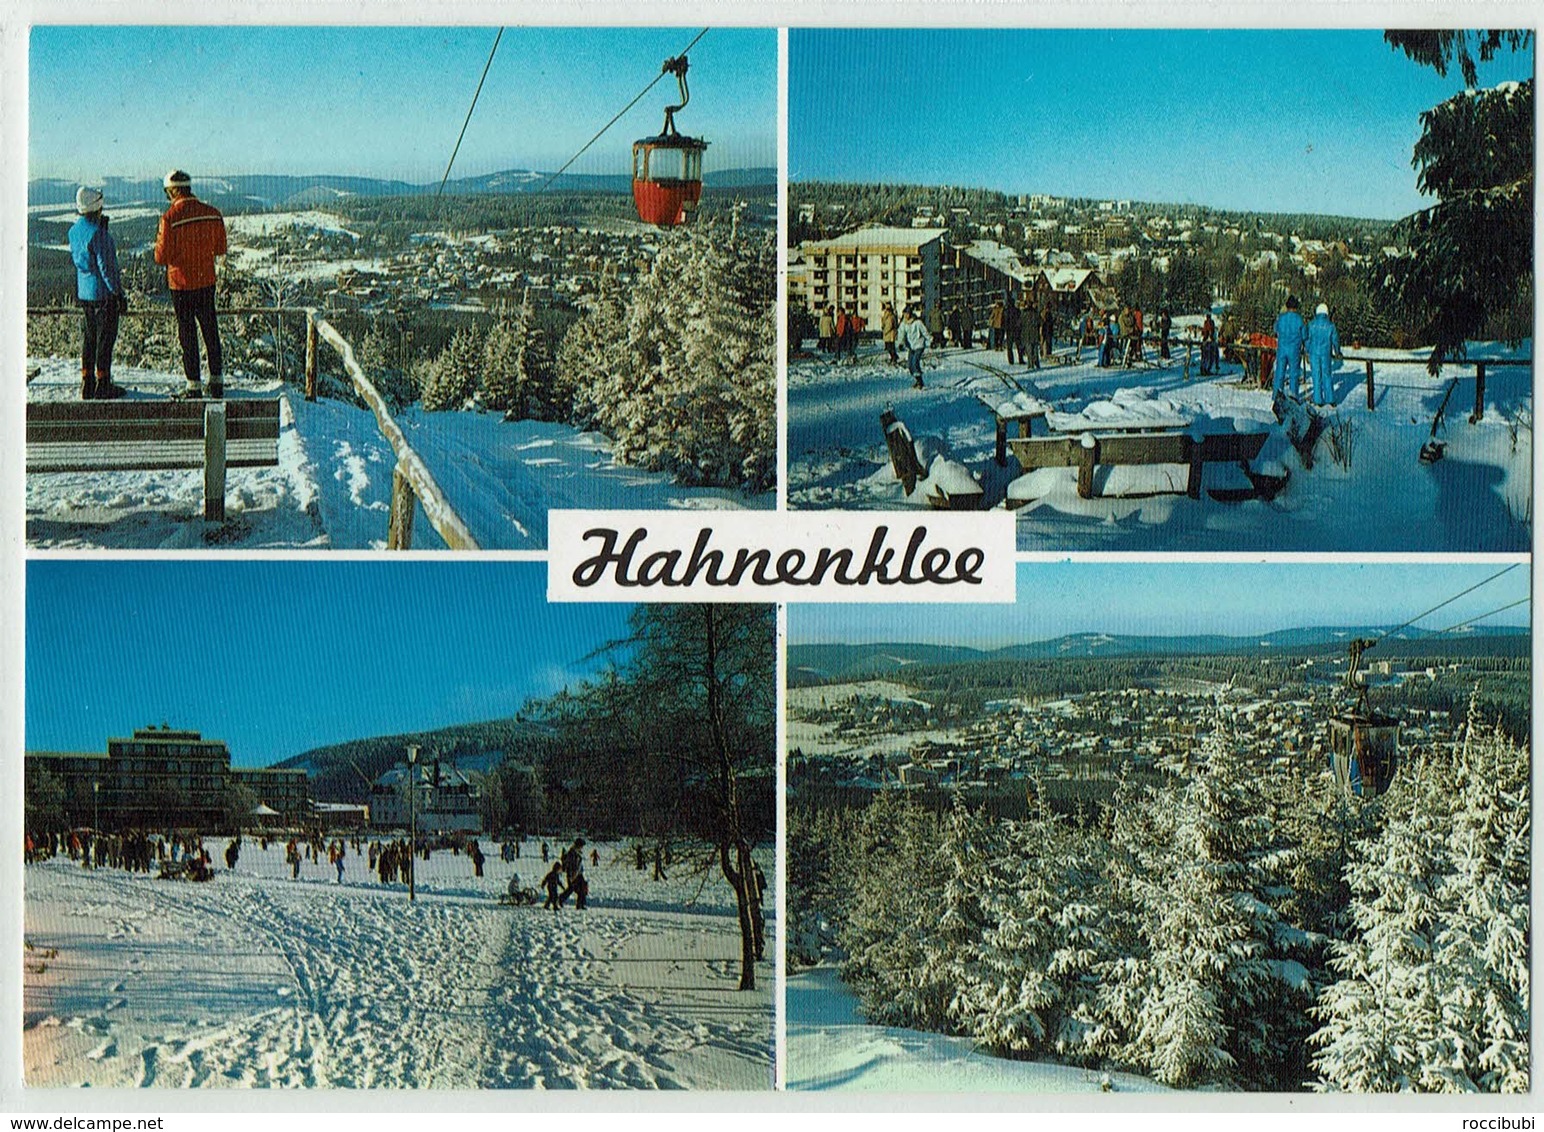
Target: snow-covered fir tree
<point x="453" y="379"/>
<point x="1433" y="987"/>
<point x="683" y="381"/>
<point x="1223" y="987"/>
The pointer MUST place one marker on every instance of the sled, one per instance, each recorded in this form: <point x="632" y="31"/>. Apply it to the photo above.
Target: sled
<point x="521" y="899"/>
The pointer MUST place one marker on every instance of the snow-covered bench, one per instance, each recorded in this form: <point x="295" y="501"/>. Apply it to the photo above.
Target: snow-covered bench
<point x="1090" y="449"/>
<point x="134" y="435"/>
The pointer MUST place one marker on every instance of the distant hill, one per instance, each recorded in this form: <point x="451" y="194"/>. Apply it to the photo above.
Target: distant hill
<point x="342" y="772"/>
<point x="838" y="662"/>
<point x="261" y="191"/>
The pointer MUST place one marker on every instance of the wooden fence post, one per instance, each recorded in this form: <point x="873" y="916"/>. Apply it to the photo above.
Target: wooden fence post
<point x="214" y="461"/>
<point x="1370" y="405"/>
<point x="310" y="355"/>
<point x="1088" y="459"/>
<point x="400" y="534"/>
<point x="1479" y="393"/>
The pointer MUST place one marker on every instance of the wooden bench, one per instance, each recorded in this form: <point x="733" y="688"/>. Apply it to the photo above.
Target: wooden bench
<point x="131" y="435"/>
<point x="1087" y="451"/>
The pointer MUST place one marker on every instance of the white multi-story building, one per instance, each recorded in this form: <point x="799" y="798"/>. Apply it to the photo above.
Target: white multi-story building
<point x="867" y="268"/>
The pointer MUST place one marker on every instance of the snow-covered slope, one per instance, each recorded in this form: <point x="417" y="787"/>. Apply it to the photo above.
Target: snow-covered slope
<point x="332" y="487"/>
<point x="257" y="980"/>
<point x="831" y="1047"/>
<point x="1477" y="498"/>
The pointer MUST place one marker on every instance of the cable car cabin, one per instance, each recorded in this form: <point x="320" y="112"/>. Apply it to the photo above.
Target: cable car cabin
<point x="1364" y="752"/>
<point x="667" y="178"/>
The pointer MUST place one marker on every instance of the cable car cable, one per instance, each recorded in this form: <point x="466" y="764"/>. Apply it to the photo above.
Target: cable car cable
<point x="618" y="116"/>
<point x="1452" y="599"/>
<point x="1481" y="617"/>
<point x="469" y="110"/>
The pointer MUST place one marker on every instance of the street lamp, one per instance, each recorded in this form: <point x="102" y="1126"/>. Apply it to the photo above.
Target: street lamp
<point x="412" y="820"/>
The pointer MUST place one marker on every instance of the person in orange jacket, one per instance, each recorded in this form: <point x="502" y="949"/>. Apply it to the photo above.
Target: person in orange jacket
<point x="191" y="234"/>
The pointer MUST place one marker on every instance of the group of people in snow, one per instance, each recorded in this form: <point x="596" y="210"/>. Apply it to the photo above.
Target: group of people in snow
<point x="1318" y="340"/>
<point x="567" y="874"/>
<point x="191" y="234"/>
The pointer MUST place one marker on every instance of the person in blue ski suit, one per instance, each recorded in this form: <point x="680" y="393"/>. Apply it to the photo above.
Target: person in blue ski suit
<point x="1290" y="332"/>
<point x="99" y="289"/>
<point x="1323" y="347"/>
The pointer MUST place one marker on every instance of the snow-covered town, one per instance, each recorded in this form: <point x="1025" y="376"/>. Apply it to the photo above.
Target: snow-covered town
<point x="1010" y="868"/>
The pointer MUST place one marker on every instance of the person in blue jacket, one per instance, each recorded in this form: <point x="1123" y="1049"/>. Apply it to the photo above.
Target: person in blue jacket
<point x="1323" y="346"/>
<point x="1289" y="347"/>
<point x="99" y="288"/>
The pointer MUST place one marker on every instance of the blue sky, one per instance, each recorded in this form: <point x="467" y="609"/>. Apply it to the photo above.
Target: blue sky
<point x="1297" y="121"/>
<point x="383" y="102"/>
<point x="277" y="657"/>
<point x="1170" y="599"/>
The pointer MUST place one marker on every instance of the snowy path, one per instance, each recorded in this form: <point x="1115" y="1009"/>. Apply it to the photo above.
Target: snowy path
<point x="1479" y="497"/>
<point x="831" y="1047"/>
<point x="332" y="486"/>
<point x="256" y="980"/>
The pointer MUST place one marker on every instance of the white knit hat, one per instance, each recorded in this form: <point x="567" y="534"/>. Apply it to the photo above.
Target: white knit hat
<point x="88" y="200"/>
<point x="176" y="179"/>
<point x="1321" y="309"/>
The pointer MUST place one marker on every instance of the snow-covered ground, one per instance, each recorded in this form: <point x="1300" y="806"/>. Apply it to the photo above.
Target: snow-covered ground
<point x="1478" y="497"/>
<point x="267" y="223"/>
<point x="256" y="980"/>
<point x="332" y="486"/>
<point x="831" y="1047"/>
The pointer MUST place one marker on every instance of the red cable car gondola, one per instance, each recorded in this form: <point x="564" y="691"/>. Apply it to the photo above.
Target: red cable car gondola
<point x="667" y="169"/>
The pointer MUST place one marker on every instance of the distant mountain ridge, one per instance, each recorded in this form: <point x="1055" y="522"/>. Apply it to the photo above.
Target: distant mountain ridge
<point x="846" y="662"/>
<point x="310" y="190"/>
<point x="342" y="772"/>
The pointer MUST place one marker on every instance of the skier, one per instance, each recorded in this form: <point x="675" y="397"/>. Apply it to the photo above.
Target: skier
<point x="99" y="290"/>
<point x="935" y="325"/>
<point x="475" y="852"/>
<point x="888" y="325"/>
<point x="1048" y="328"/>
<point x="1290" y="332"/>
<point x="1164" y="325"/>
<point x="967" y="327"/>
<point x="232" y="852"/>
<point x="995" y="325"/>
<point x="1128" y="334"/>
<point x="1323" y="346"/>
<point x="191" y="234"/>
<point x="914" y="337"/>
<point x="828" y="329"/>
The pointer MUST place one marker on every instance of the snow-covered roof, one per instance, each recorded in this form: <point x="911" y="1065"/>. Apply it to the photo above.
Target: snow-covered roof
<point x="1067" y="278"/>
<point x="1000" y="258"/>
<point x="876" y="239"/>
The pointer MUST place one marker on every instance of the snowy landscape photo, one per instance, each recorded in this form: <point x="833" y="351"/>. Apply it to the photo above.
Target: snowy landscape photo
<point x="1209" y="319"/>
<point x="1118" y="839"/>
<point x="454" y="314"/>
<point x="523" y="847"/>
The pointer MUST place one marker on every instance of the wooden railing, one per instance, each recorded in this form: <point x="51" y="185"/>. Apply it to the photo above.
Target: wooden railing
<point x="411" y="481"/>
<point x="1480" y="365"/>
